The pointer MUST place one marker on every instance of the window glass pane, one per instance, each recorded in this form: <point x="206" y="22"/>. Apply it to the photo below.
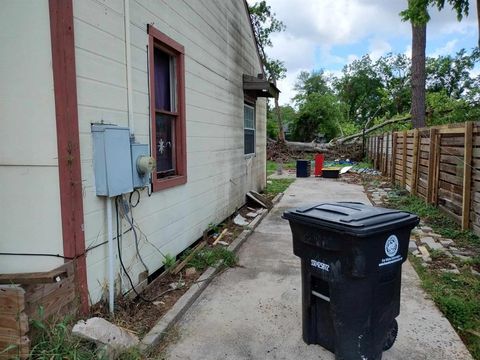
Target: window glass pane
<point x="164" y="74"/>
<point x="249" y="141"/>
<point x="249" y="117"/>
<point x="165" y="144"/>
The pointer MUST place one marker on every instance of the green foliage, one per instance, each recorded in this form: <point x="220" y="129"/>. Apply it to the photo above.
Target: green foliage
<point x="53" y="341"/>
<point x="440" y="222"/>
<point x="169" y="261"/>
<point x="213" y="228"/>
<point x="211" y="256"/>
<point x="277" y="186"/>
<point x="264" y="24"/>
<point x="451" y="74"/>
<point x="458" y="297"/>
<point x="359" y="89"/>
<point x="320" y="113"/>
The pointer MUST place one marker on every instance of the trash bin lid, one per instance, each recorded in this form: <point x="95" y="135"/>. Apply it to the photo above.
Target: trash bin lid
<point x="352" y="217"/>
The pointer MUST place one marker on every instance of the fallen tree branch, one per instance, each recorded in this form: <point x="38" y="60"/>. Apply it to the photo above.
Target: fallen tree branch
<point x="373" y="128"/>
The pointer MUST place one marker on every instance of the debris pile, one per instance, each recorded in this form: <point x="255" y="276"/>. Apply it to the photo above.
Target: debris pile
<point x="285" y="151"/>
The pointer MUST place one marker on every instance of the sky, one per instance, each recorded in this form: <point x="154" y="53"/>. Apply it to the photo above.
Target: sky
<point x="328" y="34"/>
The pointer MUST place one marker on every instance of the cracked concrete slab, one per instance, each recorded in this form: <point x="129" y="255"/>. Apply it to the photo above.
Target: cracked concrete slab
<point x="254" y="310"/>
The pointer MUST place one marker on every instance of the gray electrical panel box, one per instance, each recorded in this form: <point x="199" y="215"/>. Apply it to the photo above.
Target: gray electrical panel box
<point x="141" y="177"/>
<point x="112" y="160"/>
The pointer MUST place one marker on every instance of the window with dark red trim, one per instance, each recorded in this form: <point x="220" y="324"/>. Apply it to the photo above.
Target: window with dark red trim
<point x="167" y="110"/>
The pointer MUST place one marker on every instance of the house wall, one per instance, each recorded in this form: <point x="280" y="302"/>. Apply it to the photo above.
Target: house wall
<point x="29" y="191"/>
<point x="219" y="49"/>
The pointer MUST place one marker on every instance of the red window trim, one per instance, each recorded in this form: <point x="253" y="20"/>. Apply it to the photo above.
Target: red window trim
<point x="162" y="41"/>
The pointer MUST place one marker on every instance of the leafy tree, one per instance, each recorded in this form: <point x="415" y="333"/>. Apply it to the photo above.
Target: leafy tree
<point x="288" y="115"/>
<point x="451" y="74"/>
<point x="309" y="83"/>
<point x="264" y="24"/>
<point x="319" y="113"/>
<point x="360" y="89"/>
<point x="417" y="14"/>
<point x="394" y="72"/>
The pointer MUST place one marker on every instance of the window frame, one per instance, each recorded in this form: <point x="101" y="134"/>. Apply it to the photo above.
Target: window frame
<point x="252" y="105"/>
<point x="159" y="40"/>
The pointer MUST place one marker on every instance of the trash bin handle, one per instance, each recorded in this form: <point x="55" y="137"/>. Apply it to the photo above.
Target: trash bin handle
<point x="356" y="218"/>
<point x="339" y="204"/>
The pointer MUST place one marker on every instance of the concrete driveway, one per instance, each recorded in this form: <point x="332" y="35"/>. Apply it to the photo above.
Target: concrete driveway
<point x="254" y="311"/>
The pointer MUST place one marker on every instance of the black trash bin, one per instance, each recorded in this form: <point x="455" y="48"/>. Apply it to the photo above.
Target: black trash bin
<point x="351" y="256"/>
<point x="303" y="168"/>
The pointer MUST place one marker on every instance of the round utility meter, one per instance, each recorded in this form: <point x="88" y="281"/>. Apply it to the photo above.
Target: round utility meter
<point x="145" y="164"/>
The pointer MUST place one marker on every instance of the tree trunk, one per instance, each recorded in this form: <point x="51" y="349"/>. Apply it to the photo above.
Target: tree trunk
<point x="281" y="134"/>
<point x="478" y="21"/>
<point x="419" y="38"/>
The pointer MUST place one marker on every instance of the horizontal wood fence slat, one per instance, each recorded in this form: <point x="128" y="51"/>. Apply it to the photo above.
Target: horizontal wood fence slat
<point x="440" y="164"/>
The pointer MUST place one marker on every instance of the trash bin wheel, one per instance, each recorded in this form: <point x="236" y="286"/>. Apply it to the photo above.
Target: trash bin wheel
<point x="391" y="336"/>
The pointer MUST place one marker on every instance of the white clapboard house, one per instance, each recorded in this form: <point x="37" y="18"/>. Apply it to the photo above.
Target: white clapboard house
<point x="89" y="90"/>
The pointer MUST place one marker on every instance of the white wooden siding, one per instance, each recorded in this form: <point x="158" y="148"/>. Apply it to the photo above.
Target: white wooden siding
<point x="29" y="192"/>
<point x="219" y="49"/>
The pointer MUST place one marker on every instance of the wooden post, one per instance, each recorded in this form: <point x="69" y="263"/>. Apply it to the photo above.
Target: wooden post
<point x="431" y="164"/>
<point x="415" y="159"/>
<point x="467" y="174"/>
<point x="385" y="165"/>
<point x="380" y="160"/>
<point x="394" y="156"/>
<point x="436" y="168"/>
<point x="404" y="159"/>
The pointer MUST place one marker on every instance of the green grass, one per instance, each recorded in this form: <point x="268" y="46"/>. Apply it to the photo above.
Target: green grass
<point x="210" y="257"/>
<point x="456" y="295"/>
<point x="276" y="186"/>
<point x="273" y="165"/>
<point x="440" y="222"/>
<point x="53" y="341"/>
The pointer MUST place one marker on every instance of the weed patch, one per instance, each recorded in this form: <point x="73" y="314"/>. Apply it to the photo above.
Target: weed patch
<point x="211" y="256"/>
<point x="440" y="222"/>
<point x="277" y="186"/>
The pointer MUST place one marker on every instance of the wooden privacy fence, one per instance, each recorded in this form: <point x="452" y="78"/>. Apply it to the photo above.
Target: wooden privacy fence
<point x="440" y="164"/>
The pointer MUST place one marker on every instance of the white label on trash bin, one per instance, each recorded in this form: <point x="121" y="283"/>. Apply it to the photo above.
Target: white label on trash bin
<point x="391" y="249"/>
<point x="320" y="265"/>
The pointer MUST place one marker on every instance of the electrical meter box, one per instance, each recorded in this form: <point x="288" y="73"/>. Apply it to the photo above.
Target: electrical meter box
<point x="141" y="161"/>
<point x="112" y="160"/>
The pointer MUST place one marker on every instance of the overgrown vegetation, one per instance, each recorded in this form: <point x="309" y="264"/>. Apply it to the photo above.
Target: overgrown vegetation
<point x="210" y="257"/>
<point x="52" y="340"/>
<point x="276" y="186"/>
<point x="369" y="91"/>
<point x="456" y="295"/>
<point x="440" y="222"/>
<point x="169" y="261"/>
<point x="273" y="165"/>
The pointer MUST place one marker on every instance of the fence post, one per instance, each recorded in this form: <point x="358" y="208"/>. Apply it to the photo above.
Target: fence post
<point x="380" y="163"/>
<point x="415" y="162"/>
<point x="386" y="154"/>
<point x="467" y="175"/>
<point x="404" y="159"/>
<point x="436" y="175"/>
<point x="394" y="155"/>
<point x="431" y="164"/>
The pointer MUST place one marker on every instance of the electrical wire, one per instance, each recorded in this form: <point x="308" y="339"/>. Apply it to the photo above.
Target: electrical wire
<point x="125" y="269"/>
<point x="138" y="198"/>
<point x="38" y="254"/>
<point x="130" y="221"/>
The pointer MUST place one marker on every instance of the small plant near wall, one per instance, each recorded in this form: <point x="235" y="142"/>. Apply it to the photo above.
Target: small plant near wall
<point x="169" y="261"/>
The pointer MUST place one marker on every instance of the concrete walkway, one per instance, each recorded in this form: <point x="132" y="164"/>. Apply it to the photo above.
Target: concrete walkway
<point x="254" y="311"/>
